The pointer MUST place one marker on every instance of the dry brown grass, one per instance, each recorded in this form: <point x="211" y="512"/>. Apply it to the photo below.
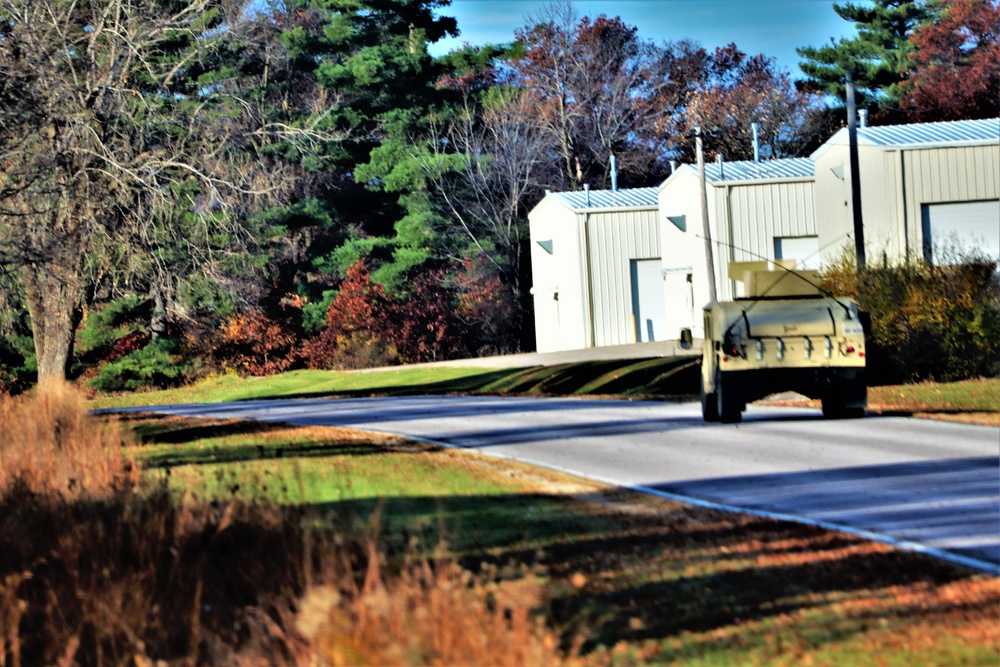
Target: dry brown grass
<point x="96" y="570"/>
<point x="137" y="579"/>
<point x="431" y="614"/>
<point x="51" y="444"/>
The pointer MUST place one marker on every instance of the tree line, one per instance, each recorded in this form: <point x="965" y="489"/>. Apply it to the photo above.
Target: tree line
<point x="188" y="186"/>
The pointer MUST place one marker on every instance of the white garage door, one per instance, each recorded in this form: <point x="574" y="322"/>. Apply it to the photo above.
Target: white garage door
<point x="954" y="230"/>
<point x="647" y="300"/>
<point x="803" y="249"/>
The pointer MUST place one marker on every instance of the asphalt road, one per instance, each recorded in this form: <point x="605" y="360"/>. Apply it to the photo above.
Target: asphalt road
<point x="926" y="485"/>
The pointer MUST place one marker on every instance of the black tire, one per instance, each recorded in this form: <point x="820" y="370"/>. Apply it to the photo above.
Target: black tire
<point x="730" y="399"/>
<point x="709" y="404"/>
<point x="845" y="402"/>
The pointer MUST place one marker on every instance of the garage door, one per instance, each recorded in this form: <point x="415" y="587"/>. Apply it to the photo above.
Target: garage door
<point x="803" y="249"/>
<point x="954" y="230"/>
<point x="647" y="300"/>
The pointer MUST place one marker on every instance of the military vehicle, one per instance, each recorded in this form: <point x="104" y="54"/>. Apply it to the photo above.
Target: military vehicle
<point x="784" y="335"/>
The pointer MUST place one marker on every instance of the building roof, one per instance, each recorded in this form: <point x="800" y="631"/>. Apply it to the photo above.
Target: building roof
<point x="782" y="169"/>
<point x="942" y="134"/>
<point x="581" y="200"/>
<point x="747" y="170"/>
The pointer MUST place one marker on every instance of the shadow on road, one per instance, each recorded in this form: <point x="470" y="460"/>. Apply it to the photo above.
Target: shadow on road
<point x="957" y="509"/>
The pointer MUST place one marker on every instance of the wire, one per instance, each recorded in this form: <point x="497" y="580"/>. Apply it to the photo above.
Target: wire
<point x="822" y="290"/>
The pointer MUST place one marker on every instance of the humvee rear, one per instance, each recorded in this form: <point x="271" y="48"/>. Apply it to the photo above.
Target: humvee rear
<point x="783" y="336"/>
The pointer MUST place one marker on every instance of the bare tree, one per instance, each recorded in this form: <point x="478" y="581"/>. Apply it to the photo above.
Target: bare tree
<point x="739" y="90"/>
<point x="114" y="121"/>
<point x="484" y="172"/>
<point x="598" y="85"/>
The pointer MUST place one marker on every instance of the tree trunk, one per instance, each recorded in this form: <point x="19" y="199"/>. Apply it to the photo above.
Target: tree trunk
<point x="158" y="321"/>
<point x="55" y="297"/>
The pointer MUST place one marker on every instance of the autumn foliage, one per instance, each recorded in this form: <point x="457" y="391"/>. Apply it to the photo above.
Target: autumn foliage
<point x="254" y="344"/>
<point x="927" y="321"/>
<point x="438" y="316"/>
<point x="956" y="62"/>
<point x="356" y="326"/>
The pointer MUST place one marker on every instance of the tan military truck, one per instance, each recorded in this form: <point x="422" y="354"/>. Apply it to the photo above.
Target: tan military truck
<point x="785" y="335"/>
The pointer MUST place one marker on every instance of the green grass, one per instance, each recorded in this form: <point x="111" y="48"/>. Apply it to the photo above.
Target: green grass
<point x="982" y="395"/>
<point x="646" y="581"/>
<point x="656" y="378"/>
<point x="667" y="584"/>
<point x="665" y="378"/>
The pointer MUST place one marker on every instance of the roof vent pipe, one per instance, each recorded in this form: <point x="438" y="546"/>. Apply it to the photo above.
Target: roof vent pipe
<point x="673" y="166"/>
<point x="718" y="159"/>
<point x="614" y="174"/>
<point x="586" y="188"/>
<point x="863" y="117"/>
<point x="756" y="142"/>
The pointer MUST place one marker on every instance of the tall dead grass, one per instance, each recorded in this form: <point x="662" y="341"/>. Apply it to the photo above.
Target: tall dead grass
<point x="431" y="614"/>
<point x="96" y="570"/>
<point x="51" y="444"/>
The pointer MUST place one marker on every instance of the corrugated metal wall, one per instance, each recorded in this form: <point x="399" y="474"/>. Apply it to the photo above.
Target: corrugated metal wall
<point x="895" y="184"/>
<point x="944" y="175"/>
<point x="614" y="238"/>
<point x="558" y="279"/>
<point x="752" y="215"/>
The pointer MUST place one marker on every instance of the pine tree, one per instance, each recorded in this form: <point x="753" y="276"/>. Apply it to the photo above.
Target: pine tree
<point x="878" y="57"/>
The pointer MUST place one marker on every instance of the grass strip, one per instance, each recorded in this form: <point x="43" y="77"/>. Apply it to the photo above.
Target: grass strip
<point x="646" y="581"/>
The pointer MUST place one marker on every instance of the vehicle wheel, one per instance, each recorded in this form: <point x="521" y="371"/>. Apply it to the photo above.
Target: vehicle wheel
<point x="730" y="400"/>
<point x="842" y="403"/>
<point x="709" y="404"/>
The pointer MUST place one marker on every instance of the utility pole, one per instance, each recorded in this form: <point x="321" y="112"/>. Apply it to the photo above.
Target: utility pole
<point x="852" y="140"/>
<point x="706" y="230"/>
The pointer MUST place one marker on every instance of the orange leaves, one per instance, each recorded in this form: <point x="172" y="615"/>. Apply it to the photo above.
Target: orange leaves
<point x="255" y="344"/>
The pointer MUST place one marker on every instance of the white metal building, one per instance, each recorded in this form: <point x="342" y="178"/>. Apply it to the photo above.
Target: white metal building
<point x="925" y="188"/>
<point x="596" y="269"/>
<point x="756" y="211"/>
<point x="601" y="259"/>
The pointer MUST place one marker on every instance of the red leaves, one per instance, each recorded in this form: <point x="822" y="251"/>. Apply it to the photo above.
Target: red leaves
<point x="255" y="344"/>
<point x="957" y="61"/>
<point x="367" y="328"/>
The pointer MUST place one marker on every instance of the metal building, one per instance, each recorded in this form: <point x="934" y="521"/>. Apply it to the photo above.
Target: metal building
<point x="927" y="190"/>
<point x="596" y="269"/>
<point x="756" y="210"/>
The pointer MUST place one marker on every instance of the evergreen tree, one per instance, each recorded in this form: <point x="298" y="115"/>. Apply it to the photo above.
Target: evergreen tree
<point x="358" y="70"/>
<point x="878" y="57"/>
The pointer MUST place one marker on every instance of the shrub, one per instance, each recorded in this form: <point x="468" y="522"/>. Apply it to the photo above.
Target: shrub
<point x="927" y="322"/>
<point x="357" y="325"/>
<point x="487" y="310"/>
<point x="255" y="344"/>
<point x="52" y="445"/>
<point x="153" y="366"/>
<point x="17" y="363"/>
<point x="422" y="323"/>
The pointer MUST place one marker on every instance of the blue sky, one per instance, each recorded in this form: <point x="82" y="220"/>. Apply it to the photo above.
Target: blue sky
<point x="773" y="27"/>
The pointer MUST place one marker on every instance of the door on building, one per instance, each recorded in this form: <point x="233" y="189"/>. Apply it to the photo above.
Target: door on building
<point x="953" y="231"/>
<point x="647" y="300"/>
<point x="803" y="249"/>
<point x="678" y="288"/>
